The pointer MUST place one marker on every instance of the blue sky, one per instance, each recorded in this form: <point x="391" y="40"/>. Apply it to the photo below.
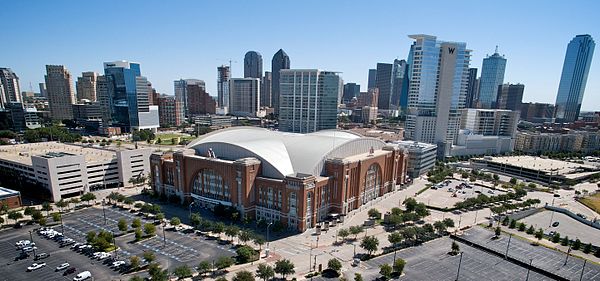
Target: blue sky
<point x="189" y="39"/>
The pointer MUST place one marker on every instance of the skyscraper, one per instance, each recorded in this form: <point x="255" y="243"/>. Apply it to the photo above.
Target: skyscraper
<point x="400" y="84"/>
<point x="384" y="81"/>
<point x="372" y="78"/>
<point x="351" y="90"/>
<point x="9" y="82"/>
<point x="223" y="76"/>
<point x="280" y="61"/>
<point x="244" y="96"/>
<point x="492" y="76"/>
<point x="253" y="65"/>
<point x="181" y="91"/>
<point x="510" y="96"/>
<point x="309" y="100"/>
<point x="472" y="88"/>
<point x="266" y="89"/>
<point x="86" y="86"/>
<point x="438" y="77"/>
<point x="574" y="77"/>
<point x="61" y="96"/>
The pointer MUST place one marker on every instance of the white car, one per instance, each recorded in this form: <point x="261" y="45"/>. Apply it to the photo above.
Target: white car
<point x="36" y="266"/>
<point x="118" y="263"/>
<point x="62" y="266"/>
<point x="82" y="276"/>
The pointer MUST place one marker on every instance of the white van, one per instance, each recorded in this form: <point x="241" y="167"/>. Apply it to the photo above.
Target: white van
<point x="82" y="276"/>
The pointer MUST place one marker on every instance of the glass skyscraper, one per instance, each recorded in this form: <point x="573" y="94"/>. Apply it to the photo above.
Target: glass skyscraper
<point x="492" y="76"/>
<point x="574" y="77"/>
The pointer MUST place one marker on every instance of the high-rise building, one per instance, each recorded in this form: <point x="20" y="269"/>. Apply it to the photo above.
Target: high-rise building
<point x="574" y="77"/>
<point x="372" y="78"/>
<point x="244" y="96"/>
<point x="492" y="76"/>
<point x="438" y="87"/>
<point x="510" y="96"/>
<point x="472" y="88"/>
<point x="169" y="111"/>
<point x="199" y="101"/>
<point x="266" y="89"/>
<point x="223" y="76"/>
<point x="131" y="109"/>
<point x="86" y="86"/>
<point x="309" y="100"/>
<point x="351" y="90"/>
<point x="400" y="84"/>
<point x="9" y="82"/>
<point x="43" y="92"/>
<point x="181" y="91"/>
<point x="383" y="82"/>
<point x="280" y="61"/>
<point x="61" y="96"/>
<point x="253" y="65"/>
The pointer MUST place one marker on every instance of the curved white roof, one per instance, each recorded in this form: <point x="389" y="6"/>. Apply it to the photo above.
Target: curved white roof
<point x="283" y="153"/>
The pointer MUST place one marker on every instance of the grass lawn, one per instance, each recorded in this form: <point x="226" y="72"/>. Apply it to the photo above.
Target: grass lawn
<point x="592" y="202"/>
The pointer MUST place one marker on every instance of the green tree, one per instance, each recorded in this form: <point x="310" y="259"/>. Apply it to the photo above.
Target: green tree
<point x="386" y="271"/>
<point x="136" y="223"/>
<point x="265" y="272"/>
<point x="149" y="229"/>
<point x="122" y="224"/>
<point x="243" y="276"/>
<point x="334" y="264"/>
<point x="149" y="256"/>
<point x="355" y="230"/>
<point x="374" y="213"/>
<point x="399" y="266"/>
<point x="204" y="267"/>
<point x="284" y="267"/>
<point x="134" y="261"/>
<point x="183" y="271"/>
<point x="370" y="244"/>
<point x="224" y="262"/>
<point x="455" y="248"/>
<point x="343" y="233"/>
<point x="175" y="221"/>
<point x="358" y="277"/>
<point x="14" y="215"/>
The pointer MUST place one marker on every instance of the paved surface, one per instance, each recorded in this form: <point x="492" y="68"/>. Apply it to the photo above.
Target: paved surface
<point x="11" y="270"/>
<point x="567" y="226"/>
<point x="442" y="197"/>
<point x="542" y="257"/>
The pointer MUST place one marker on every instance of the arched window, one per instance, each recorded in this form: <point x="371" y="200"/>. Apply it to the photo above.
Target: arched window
<point x="372" y="183"/>
<point x="209" y="183"/>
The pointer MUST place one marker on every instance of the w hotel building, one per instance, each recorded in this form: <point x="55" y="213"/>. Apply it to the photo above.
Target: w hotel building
<point x="297" y="179"/>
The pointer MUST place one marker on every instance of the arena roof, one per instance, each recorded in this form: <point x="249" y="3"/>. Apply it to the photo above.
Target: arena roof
<point x="284" y="153"/>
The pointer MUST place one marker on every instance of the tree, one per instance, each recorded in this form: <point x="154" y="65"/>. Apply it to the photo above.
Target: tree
<point x="14" y="215"/>
<point x="56" y="217"/>
<point x="455" y="248"/>
<point x="284" y="267"/>
<point x="358" y="277"/>
<point x="576" y="244"/>
<point x="134" y="261"/>
<point x="149" y="256"/>
<point x="565" y="241"/>
<point x="224" y="262"/>
<point x="265" y="272"/>
<point x="410" y="204"/>
<point x="175" y="221"/>
<point x="522" y="227"/>
<point x="497" y="231"/>
<point x="88" y="197"/>
<point x="386" y="271"/>
<point x="370" y="244"/>
<point x="334" y="264"/>
<point x="149" y="229"/>
<point x="513" y="224"/>
<point x="182" y="271"/>
<point x="539" y="234"/>
<point x="204" y="267"/>
<point x="136" y="223"/>
<point x="440" y="227"/>
<point x="374" y="214"/>
<point x="243" y="276"/>
<point x="122" y="224"/>
<point x="195" y="219"/>
<point x="355" y="230"/>
<point x="399" y="266"/>
<point x="587" y="248"/>
<point x="556" y="237"/>
<point x="343" y="233"/>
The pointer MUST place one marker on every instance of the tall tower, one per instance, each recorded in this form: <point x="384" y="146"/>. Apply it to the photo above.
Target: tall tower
<point x="61" y="96"/>
<point x="574" y="77"/>
<point x="223" y="76"/>
<point x="9" y="82"/>
<point x="437" y="95"/>
<point x="492" y="76"/>
<point x="280" y="61"/>
<point x="253" y="65"/>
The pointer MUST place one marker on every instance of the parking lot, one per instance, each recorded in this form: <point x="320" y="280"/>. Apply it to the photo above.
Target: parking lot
<point x="567" y="226"/>
<point x="542" y="257"/>
<point x="17" y="270"/>
<point x="443" y="196"/>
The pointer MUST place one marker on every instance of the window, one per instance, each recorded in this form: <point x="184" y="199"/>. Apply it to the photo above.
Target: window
<point x="209" y="183"/>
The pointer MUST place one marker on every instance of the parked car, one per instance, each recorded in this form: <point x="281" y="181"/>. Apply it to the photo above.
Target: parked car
<point x="36" y="266"/>
<point x="62" y="266"/>
<point x="82" y="276"/>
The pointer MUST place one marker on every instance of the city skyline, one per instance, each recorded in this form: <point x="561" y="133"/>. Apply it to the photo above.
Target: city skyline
<point x="164" y="62"/>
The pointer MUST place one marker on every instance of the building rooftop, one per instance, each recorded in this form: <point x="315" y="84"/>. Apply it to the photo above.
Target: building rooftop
<point x="546" y="165"/>
<point x="21" y="153"/>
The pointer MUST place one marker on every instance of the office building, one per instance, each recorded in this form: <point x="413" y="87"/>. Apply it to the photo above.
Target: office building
<point x="297" y="180"/>
<point x="9" y="86"/>
<point x="266" y="89"/>
<point x="244" y="97"/>
<point x="280" y="61"/>
<point x="372" y="79"/>
<point x="438" y="76"/>
<point x="170" y="111"/>
<point x="181" y="91"/>
<point x="253" y="65"/>
<point x="472" y="88"/>
<point x="224" y="74"/>
<point x="537" y="112"/>
<point x="421" y="157"/>
<point x="61" y="96"/>
<point x="510" y="96"/>
<point x="199" y="101"/>
<point x="351" y="90"/>
<point x="309" y="100"/>
<point x="400" y="83"/>
<point x="574" y="78"/>
<point x="86" y="86"/>
<point x="492" y="76"/>
<point x="383" y="82"/>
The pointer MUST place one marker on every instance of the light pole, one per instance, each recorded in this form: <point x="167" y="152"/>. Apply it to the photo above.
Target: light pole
<point x="528" y="269"/>
<point x="459" y="263"/>
<point x="508" y="245"/>
<point x="103" y="212"/>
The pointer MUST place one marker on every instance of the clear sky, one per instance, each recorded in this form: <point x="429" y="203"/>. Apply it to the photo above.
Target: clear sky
<point x="189" y="39"/>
